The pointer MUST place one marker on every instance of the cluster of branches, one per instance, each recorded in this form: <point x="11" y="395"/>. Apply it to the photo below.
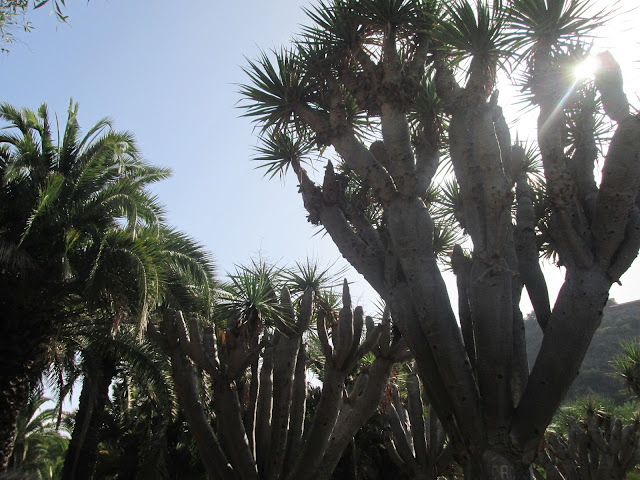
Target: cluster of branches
<point x="259" y="386"/>
<point x="391" y="86"/>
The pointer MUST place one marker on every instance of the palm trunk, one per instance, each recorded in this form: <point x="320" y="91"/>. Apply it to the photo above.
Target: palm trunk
<point x="14" y="390"/>
<point x="23" y="338"/>
<point x="82" y="454"/>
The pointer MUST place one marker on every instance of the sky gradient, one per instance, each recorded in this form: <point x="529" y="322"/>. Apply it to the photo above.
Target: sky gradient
<point x="169" y="72"/>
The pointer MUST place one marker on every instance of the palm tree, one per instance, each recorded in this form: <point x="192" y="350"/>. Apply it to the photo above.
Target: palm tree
<point x="39" y="446"/>
<point x="63" y="205"/>
<point x="172" y="271"/>
<point x="132" y="364"/>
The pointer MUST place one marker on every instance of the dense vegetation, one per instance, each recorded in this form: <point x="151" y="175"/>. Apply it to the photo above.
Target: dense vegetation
<point x="273" y="373"/>
<point x="620" y="323"/>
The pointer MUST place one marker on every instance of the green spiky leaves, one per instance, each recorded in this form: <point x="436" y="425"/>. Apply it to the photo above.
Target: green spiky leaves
<point x="476" y="31"/>
<point x="276" y="87"/>
<point x="627" y="366"/>
<point x="279" y="150"/>
<point x="552" y="24"/>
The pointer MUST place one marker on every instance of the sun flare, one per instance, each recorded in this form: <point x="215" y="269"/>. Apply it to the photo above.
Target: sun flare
<point x="586" y="68"/>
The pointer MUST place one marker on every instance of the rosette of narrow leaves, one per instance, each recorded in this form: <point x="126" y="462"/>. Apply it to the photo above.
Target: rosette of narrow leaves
<point x="627" y="366"/>
<point x="248" y="302"/>
<point x="552" y="24"/>
<point x="407" y="16"/>
<point x="477" y="33"/>
<point x="310" y="275"/>
<point x="279" y="149"/>
<point x="337" y="28"/>
<point x="277" y="87"/>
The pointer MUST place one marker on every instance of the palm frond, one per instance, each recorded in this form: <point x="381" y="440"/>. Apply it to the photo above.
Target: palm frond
<point x="47" y="196"/>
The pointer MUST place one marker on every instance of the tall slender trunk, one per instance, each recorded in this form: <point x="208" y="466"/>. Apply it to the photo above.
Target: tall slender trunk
<point x="82" y="454"/>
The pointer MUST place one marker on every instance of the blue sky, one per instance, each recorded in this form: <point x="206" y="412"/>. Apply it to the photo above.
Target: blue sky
<point x="169" y="73"/>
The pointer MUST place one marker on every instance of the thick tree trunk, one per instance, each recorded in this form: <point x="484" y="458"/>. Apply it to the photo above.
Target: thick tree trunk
<point x="493" y="466"/>
<point x="317" y="439"/>
<point x="82" y="454"/>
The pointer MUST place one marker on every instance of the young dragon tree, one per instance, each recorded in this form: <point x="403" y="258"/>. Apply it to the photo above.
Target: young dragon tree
<point x="259" y="431"/>
<point x="416" y="443"/>
<point x="391" y="85"/>
<point x="589" y="439"/>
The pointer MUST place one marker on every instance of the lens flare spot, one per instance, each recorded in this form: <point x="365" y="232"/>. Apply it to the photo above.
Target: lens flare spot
<point x="586" y="68"/>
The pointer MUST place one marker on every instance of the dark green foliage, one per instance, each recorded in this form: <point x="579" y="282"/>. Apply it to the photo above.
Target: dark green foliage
<point x="39" y="446"/>
<point x="69" y="213"/>
<point x="372" y="459"/>
<point x="627" y="365"/>
<point x="597" y="374"/>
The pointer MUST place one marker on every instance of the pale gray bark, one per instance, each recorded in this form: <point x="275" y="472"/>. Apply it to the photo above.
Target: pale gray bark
<point x="263" y="415"/>
<point x="342" y="355"/>
<point x="361" y="403"/>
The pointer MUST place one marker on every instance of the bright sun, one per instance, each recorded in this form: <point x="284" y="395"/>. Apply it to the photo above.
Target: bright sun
<point x="586" y="68"/>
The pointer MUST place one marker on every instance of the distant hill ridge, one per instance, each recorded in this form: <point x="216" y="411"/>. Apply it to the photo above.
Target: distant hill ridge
<point x="629" y="307"/>
<point x="620" y="323"/>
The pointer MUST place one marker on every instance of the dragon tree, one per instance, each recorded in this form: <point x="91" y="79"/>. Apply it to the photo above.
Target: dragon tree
<point x="263" y="428"/>
<point x="400" y="99"/>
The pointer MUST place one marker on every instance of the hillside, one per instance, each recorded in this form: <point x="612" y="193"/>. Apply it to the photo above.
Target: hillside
<point x="620" y="323"/>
